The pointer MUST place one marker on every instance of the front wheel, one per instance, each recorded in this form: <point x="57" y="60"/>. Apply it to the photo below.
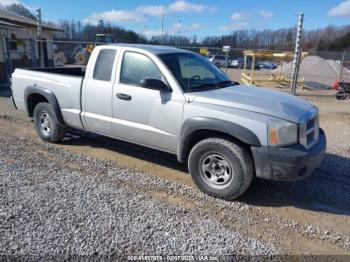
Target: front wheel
<point x="221" y="168"/>
<point x="46" y="123"/>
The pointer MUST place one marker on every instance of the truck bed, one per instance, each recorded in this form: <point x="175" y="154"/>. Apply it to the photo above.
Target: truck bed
<point x="65" y="83"/>
<point x="72" y="71"/>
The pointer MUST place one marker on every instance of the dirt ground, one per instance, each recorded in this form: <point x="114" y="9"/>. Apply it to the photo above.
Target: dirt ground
<point x="309" y="217"/>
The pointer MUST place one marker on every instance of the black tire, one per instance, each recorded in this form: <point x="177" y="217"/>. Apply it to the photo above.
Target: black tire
<point x="233" y="154"/>
<point x="342" y="96"/>
<point x="52" y="132"/>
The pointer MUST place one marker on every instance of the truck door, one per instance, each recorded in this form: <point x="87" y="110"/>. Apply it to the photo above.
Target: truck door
<point x="97" y="92"/>
<point x="144" y="115"/>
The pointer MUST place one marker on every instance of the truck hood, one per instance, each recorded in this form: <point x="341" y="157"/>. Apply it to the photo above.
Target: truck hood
<point x="254" y="99"/>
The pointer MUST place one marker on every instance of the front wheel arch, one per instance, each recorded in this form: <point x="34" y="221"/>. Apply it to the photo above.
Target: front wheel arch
<point x="199" y="128"/>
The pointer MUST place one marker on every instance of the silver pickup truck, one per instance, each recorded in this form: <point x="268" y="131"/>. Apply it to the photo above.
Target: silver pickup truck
<point x="178" y="102"/>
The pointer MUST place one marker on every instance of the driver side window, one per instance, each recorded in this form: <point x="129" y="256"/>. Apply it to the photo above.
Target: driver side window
<point x="136" y="67"/>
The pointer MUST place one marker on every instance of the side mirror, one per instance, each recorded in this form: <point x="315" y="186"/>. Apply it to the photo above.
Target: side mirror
<point x="155" y="84"/>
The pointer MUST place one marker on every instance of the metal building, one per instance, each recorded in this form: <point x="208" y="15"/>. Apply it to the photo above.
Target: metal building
<point x="20" y="45"/>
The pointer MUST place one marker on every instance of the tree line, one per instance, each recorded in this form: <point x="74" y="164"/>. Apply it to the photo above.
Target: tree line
<point x="334" y="38"/>
<point x="77" y="31"/>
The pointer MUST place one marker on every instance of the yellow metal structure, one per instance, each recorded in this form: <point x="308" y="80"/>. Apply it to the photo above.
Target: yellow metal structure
<point x="83" y="55"/>
<point x="277" y="79"/>
<point x="203" y="51"/>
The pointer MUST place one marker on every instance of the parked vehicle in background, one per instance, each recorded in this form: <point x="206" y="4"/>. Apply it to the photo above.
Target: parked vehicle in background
<point x="176" y="101"/>
<point x="219" y="60"/>
<point x="266" y="65"/>
<point x="239" y="63"/>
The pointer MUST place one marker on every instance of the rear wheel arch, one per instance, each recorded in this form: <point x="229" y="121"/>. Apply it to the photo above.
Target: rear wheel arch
<point x="199" y="128"/>
<point x="33" y="95"/>
<point x="32" y="100"/>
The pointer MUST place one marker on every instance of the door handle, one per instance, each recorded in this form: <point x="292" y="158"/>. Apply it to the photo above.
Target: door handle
<point x="124" y="96"/>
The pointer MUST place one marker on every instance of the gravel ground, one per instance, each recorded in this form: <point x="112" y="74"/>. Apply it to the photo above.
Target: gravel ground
<point x="61" y="202"/>
<point x="315" y="66"/>
<point x="50" y="210"/>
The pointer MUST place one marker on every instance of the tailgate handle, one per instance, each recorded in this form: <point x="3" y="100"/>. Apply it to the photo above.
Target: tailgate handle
<point x="124" y="96"/>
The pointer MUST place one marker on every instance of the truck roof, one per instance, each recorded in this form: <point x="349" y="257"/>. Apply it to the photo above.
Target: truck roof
<point x="155" y="49"/>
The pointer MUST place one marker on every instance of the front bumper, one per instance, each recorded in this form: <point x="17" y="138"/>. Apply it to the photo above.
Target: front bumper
<point x="290" y="163"/>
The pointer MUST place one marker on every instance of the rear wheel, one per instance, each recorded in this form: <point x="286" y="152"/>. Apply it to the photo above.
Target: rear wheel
<point x="221" y="168"/>
<point x="46" y="123"/>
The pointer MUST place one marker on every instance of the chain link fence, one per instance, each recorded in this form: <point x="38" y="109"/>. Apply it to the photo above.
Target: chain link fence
<point x="19" y="53"/>
<point x="345" y="69"/>
<point x="317" y="69"/>
<point x="72" y="53"/>
<point x="326" y="67"/>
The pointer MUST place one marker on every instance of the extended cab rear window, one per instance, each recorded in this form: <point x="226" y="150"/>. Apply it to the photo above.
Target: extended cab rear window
<point x="104" y="65"/>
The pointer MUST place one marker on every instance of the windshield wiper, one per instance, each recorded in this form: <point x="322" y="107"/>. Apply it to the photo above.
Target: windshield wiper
<point x="226" y="83"/>
<point x="218" y="84"/>
<point x="203" y="85"/>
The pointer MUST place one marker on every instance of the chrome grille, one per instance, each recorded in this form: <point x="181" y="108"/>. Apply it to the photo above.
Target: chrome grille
<point x="309" y="129"/>
<point x="310" y="124"/>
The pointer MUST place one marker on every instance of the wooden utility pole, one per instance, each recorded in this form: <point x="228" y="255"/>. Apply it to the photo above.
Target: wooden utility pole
<point x="297" y="55"/>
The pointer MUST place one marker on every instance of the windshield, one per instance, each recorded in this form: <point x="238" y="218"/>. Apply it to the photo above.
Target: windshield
<point x="194" y="72"/>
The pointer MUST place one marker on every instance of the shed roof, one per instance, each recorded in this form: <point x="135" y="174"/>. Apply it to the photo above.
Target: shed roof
<point x="9" y="25"/>
<point x="15" y="19"/>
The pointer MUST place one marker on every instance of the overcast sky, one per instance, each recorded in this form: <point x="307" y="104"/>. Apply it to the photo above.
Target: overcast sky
<point x="195" y="17"/>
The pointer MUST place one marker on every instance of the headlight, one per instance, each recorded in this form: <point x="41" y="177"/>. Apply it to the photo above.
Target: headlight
<point x="282" y="133"/>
